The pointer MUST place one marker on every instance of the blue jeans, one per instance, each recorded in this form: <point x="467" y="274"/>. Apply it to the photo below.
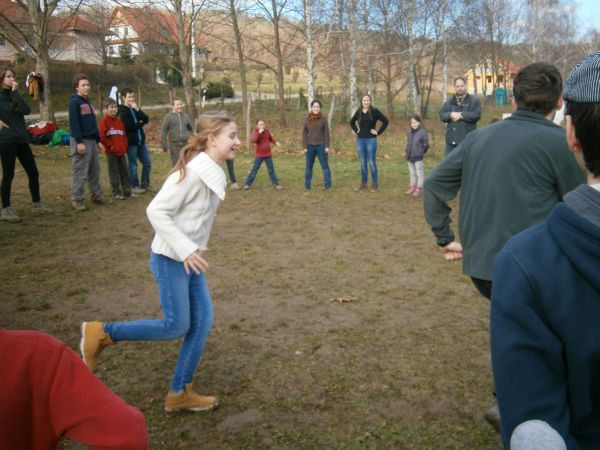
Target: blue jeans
<point x="317" y="151"/>
<point x="367" y="153"/>
<point x="257" y="163"/>
<point x="141" y="152"/>
<point x="187" y="311"/>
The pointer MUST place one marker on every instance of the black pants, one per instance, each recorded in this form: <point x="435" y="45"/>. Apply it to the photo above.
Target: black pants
<point x="483" y="286"/>
<point x="231" y="171"/>
<point x="9" y="153"/>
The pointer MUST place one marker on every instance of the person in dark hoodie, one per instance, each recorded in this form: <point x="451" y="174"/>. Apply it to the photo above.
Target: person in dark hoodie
<point x="14" y="144"/>
<point x="85" y="144"/>
<point x="417" y="145"/>
<point x="134" y="120"/>
<point x="546" y="301"/>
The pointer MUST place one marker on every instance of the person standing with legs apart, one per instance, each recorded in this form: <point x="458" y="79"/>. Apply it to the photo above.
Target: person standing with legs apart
<point x="14" y="144"/>
<point x="364" y="122"/>
<point x="182" y="214"/>
<point x="134" y="120"/>
<point x="263" y="138"/>
<point x="176" y="129"/>
<point x="85" y="144"/>
<point x="315" y="139"/>
<point x="417" y="145"/>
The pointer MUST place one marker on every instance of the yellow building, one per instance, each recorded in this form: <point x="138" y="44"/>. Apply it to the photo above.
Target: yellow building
<point x="485" y="76"/>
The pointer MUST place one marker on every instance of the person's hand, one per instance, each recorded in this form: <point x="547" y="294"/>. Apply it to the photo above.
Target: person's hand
<point x="134" y="106"/>
<point x="453" y="251"/>
<point x="15" y="85"/>
<point x="326" y="150"/>
<point x="305" y="150"/>
<point x="81" y="148"/>
<point x="374" y="132"/>
<point x="101" y="147"/>
<point x="261" y="129"/>
<point x="3" y="125"/>
<point x="277" y="144"/>
<point x="455" y="116"/>
<point x="195" y="262"/>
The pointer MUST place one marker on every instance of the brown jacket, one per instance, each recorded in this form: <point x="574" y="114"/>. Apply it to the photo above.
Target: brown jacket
<point x="315" y="133"/>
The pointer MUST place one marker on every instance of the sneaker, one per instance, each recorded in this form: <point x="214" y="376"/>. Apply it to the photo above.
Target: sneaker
<point x="41" y="207"/>
<point x="492" y="416"/>
<point x="235" y="187"/>
<point x="246" y="187"/>
<point x="118" y="196"/>
<point x="417" y="192"/>
<point x="410" y="190"/>
<point x="189" y="400"/>
<point x="9" y="215"/>
<point x="102" y="201"/>
<point x="93" y="340"/>
<point x="278" y="186"/>
<point x="374" y="187"/>
<point x="362" y="187"/>
<point x="78" y="205"/>
<point x="150" y="189"/>
<point x="138" y="190"/>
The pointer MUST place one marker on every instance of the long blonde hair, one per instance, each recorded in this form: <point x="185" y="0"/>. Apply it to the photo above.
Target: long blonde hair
<point x="208" y="123"/>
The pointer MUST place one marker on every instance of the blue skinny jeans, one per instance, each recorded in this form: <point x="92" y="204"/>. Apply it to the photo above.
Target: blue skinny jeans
<point x="187" y="311"/>
<point x="316" y="151"/>
<point x="367" y="154"/>
<point x="141" y="152"/>
<point x="257" y="163"/>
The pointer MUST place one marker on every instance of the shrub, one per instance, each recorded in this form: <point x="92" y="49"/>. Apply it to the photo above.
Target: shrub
<point x="215" y="88"/>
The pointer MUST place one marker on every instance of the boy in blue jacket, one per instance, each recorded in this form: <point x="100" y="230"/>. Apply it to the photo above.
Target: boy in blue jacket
<point x="545" y="329"/>
<point x="85" y="144"/>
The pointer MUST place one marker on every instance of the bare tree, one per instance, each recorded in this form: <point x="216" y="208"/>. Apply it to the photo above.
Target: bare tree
<point x="30" y="26"/>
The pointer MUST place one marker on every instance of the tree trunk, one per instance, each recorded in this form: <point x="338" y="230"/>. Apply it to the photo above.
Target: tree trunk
<point x="185" y="58"/>
<point x="279" y="74"/>
<point x="353" y="50"/>
<point x="241" y="67"/>
<point x="310" y="79"/>
<point x="46" y="108"/>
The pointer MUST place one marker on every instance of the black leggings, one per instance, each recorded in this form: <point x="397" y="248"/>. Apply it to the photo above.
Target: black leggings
<point x="8" y="156"/>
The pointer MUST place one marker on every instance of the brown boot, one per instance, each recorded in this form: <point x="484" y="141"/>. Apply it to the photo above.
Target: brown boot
<point x="93" y="340"/>
<point x="190" y="401"/>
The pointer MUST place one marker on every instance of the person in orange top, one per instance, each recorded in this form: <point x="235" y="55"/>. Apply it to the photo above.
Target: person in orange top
<point x="114" y="139"/>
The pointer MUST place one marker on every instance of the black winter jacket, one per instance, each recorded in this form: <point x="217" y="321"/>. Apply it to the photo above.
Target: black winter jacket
<point x="134" y="131"/>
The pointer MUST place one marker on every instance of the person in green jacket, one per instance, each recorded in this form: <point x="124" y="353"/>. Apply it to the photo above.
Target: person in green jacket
<point x="510" y="175"/>
<point x="175" y="131"/>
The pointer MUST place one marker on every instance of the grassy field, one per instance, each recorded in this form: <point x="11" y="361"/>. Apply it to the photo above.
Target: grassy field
<point x="404" y="364"/>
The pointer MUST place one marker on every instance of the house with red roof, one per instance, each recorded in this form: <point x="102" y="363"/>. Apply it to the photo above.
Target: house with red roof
<point x="72" y="38"/>
<point x="148" y="32"/>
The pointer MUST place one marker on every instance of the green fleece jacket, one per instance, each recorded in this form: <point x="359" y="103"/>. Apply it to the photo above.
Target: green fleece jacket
<point x="510" y="175"/>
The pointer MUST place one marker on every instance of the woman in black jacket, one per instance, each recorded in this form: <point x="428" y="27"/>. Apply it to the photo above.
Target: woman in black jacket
<point x="14" y="144"/>
<point x="364" y="122"/>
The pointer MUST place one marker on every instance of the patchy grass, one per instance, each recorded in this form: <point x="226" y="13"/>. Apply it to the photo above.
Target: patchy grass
<point x="405" y="364"/>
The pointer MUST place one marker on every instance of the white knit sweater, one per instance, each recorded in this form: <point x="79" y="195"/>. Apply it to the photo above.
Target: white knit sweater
<point x="182" y="213"/>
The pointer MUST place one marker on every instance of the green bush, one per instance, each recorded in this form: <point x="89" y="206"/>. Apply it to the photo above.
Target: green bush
<point x="214" y="89"/>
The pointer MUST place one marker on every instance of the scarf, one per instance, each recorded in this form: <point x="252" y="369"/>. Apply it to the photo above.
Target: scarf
<point x="313" y="118"/>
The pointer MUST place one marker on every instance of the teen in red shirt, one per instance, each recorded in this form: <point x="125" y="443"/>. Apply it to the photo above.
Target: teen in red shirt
<point x="114" y="139"/>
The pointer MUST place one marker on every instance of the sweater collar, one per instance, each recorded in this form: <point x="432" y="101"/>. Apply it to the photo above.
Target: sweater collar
<point x="210" y="173"/>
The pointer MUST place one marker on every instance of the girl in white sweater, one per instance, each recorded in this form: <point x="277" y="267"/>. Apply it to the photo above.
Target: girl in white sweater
<point x="182" y="214"/>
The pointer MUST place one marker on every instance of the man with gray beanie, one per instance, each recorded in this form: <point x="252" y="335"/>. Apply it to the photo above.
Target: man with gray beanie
<point x="545" y="331"/>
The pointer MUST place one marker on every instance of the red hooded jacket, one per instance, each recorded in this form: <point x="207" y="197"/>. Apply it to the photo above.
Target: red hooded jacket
<point x="112" y="135"/>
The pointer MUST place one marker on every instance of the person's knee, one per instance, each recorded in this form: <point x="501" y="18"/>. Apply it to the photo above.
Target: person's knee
<point x="176" y="328"/>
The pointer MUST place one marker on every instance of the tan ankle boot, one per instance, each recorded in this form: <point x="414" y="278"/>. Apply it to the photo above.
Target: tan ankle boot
<point x="93" y="340"/>
<point x="189" y="400"/>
